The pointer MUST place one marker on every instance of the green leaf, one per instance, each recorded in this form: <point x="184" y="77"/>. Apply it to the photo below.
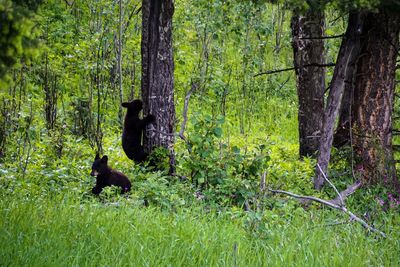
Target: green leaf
<point x="218" y="132"/>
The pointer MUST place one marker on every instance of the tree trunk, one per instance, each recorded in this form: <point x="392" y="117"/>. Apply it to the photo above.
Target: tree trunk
<point x="373" y="97"/>
<point x="308" y="49"/>
<point x="348" y="53"/>
<point x="157" y="74"/>
<point x="342" y="134"/>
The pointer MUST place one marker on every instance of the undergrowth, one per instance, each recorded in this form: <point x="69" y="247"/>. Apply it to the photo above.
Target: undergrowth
<point x="49" y="218"/>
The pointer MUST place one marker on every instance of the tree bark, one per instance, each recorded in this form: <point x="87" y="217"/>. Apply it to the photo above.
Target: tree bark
<point x="373" y="97"/>
<point x="308" y="49"/>
<point x="348" y="53"/>
<point x="342" y="134"/>
<point x="157" y="74"/>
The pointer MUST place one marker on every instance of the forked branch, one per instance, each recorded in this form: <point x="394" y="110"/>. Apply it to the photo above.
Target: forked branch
<point x="334" y="206"/>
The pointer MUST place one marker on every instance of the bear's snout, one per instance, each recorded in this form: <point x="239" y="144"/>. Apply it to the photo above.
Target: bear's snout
<point x="94" y="173"/>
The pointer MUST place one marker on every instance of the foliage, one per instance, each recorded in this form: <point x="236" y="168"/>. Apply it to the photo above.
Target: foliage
<point x="17" y="36"/>
<point x="343" y="5"/>
<point x="222" y="173"/>
<point x="241" y="129"/>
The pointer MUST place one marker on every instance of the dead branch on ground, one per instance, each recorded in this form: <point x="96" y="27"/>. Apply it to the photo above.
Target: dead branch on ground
<point x="337" y="203"/>
<point x="331" y="205"/>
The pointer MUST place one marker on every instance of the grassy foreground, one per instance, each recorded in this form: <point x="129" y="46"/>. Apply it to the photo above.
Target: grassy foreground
<point x="60" y="231"/>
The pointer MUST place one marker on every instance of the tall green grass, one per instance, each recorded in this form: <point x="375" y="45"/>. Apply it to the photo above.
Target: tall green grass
<point x="61" y="231"/>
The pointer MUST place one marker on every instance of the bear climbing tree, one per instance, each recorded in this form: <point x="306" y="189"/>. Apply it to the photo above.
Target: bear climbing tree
<point x="133" y="131"/>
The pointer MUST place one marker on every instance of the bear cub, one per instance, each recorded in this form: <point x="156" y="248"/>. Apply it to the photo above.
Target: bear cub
<point x="133" y="131"/>
<point x="105" y="176"/>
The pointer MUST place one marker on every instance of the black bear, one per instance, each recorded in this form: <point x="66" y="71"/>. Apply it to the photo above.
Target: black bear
<point x="105" y="176"/>
<point x="133" y="130"/>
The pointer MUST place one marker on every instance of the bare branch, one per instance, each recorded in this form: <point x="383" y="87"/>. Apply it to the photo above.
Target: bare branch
<point x="341" y="203"/>
<point x="334" y="206"/>
<point x="193" y="88"/>
<point x="293" y="68"/>
<point x="273" y="71"/>
<point x="322" y="201"/>
<point x="347" y="192"/>
<point x="134" y="12"/>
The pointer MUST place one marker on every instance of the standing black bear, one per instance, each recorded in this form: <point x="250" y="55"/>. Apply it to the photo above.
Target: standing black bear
<point x="105" y="176"/>
<point x="133" y="131"/>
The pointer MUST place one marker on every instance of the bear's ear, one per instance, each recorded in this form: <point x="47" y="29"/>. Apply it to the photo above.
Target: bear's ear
<point x="125" y="104"/>
<point x="104" y="159"/>
<point x="97" y="156"/>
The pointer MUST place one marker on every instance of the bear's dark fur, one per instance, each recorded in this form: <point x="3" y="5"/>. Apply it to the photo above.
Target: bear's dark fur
<point x="133" y="130"/>
<point x="105" y="176"/>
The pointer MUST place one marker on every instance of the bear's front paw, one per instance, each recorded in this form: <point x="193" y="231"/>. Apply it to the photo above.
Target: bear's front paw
<point x="96" y="190"/>
<point x="151" y="118"/>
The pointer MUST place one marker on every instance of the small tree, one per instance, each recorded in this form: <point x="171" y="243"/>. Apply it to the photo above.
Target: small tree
<point x="308" y="54"/>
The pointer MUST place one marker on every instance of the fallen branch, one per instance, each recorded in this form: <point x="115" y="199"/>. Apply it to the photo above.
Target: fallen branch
<point x="331" y="205"/>
<point x="341" y="202"/>
<point x="347" y="192"/>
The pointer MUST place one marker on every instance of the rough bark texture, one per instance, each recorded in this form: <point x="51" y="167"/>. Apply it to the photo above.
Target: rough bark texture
<point x="348" y="53"/>
<point x="157" y="73"/>
<point x="373" y="96"/>
<point x="308" y="49"/>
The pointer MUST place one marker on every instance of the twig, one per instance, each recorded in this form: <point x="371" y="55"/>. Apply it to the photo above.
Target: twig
<point x="334" y="206"/>
<point x="273" y="71"/>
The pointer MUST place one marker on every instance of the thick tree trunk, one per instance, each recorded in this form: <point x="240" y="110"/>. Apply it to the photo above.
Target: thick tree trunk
<point x="348" y="53"/>
<point x="157" y="73"/>
<point x="308" y="50"/>
<point x="373" y="97"/>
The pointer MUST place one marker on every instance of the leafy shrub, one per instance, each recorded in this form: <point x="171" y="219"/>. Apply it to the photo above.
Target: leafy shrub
<point x="224" y="174"/>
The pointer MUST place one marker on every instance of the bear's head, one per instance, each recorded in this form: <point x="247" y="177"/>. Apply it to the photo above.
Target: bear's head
<point x="99" y="165"/>
<point x="135" y="105"/>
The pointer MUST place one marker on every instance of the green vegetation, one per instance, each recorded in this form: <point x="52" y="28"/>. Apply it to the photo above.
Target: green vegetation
<point x="61" y="106"/>
<point x="60" y="232"/>
<point x="49" y="218"/>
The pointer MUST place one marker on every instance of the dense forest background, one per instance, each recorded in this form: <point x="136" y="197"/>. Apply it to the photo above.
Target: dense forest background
<point x="239" y="138"/>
